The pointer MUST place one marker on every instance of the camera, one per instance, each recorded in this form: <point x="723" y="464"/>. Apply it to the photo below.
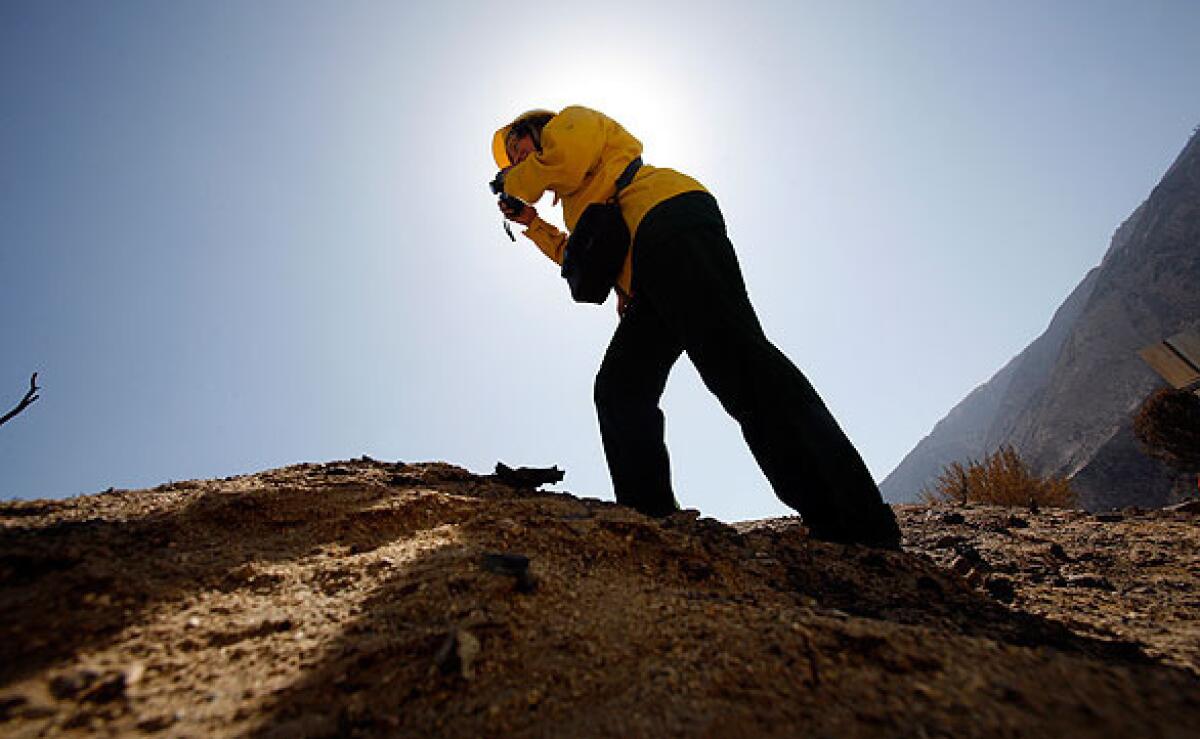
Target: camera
<point x="511" y="202"/>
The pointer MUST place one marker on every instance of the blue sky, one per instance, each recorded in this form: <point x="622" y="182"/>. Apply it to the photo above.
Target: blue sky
<point x="241" y="235"/>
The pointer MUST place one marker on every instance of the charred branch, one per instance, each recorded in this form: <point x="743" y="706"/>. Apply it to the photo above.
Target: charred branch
<point x="25" y="402"/>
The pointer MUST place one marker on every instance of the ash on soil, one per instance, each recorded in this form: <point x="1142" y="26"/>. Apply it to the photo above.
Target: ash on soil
<point x="364" y="598"/>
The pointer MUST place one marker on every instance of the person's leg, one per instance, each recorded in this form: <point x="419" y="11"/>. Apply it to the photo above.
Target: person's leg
<point x="692" y="278"/>
<point x="628" y="388"/>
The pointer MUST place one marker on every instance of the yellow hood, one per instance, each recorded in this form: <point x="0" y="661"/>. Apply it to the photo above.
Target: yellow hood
<point x="499" y="151"/>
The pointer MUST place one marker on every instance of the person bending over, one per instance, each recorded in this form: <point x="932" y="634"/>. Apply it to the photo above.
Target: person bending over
<point x="681" y="290"/>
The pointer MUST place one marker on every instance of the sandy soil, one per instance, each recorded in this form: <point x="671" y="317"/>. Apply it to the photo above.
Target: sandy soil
<point x="359" y="598"/>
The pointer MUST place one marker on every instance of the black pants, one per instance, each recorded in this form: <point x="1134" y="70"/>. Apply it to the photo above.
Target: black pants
<point x="689" y="296"/>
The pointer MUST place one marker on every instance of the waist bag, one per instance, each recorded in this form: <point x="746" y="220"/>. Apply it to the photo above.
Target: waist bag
<point x="597" y="246"/>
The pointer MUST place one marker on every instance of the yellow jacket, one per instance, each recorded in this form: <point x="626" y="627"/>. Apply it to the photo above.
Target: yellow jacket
<point x="583" y="153"/>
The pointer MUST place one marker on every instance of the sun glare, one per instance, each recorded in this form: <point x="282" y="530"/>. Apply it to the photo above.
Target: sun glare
<point x="657" y="110"/>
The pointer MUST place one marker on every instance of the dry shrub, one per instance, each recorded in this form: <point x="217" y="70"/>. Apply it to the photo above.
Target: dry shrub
<point x="1168" y="425"/>
<point x="1002" y="478"/>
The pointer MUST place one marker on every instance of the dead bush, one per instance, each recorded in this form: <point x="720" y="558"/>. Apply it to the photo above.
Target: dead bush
<point x="1168" y="425"/>
<point x="1002" y="478"/>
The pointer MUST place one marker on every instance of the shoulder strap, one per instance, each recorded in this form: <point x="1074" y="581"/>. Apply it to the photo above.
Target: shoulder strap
<point x="626" y="177"/>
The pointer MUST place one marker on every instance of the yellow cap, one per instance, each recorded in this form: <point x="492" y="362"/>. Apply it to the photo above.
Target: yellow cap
<point x="499" y="140"/>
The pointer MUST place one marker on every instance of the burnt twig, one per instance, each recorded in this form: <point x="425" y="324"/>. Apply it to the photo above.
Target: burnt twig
<point x="26" y="401"/>
<point x="528" y="478"/>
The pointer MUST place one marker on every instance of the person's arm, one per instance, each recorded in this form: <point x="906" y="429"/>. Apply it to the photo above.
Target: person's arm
<point x="549" y="239"/>
<point x="571" y="145"/>
<point x="553" y="242"/>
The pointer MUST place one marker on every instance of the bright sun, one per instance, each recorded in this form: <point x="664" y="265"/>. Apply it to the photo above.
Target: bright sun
<point x="658" y="111"/>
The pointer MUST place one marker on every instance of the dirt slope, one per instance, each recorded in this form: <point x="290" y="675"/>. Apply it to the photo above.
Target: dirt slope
<point x="354" y="598"/>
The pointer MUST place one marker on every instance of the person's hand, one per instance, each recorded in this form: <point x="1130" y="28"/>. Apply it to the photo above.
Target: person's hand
<point x="524" y="216"/>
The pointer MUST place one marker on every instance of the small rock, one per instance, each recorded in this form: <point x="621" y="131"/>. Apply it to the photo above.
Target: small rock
<point x="695" y="570"/>
<point x="9" y="704"/>
<point x="89" y="685"/>
<point x="513" y="565"/>
<point x="457" y="654"/>
<point x="1111" y="517"/>
<point x="152" y="724"/>
<point x="581" y="527"/>
<point x="1012" y="695"/>
<point x="1016" y="522"/>
<point x="1057" y="551"/>
<point x="35" y="711"/>
<point x="111" y="687"/>
<point x="953" y="518"/>
<point x="71" y="684"/>
<point x="968" y="551"/>
<point x="962" y="566"/>
<point x="1089" y="580"/>
<point x="193" y="622"/>
<point x="1001" y="588"/>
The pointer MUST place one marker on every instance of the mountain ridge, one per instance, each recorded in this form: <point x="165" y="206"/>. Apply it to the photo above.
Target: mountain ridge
<point x="1064" y="402"/>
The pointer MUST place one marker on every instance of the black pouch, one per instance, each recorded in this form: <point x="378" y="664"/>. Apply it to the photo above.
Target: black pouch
<point x="597" y="246"/>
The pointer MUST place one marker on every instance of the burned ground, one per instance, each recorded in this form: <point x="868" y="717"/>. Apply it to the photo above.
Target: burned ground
<point x="354" y="598"/>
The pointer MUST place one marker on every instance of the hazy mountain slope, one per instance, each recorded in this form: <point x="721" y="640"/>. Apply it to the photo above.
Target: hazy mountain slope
<point x="1065" y="401"/>
<point x="1147" y="290"/>
<point x="974" y="426"/>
